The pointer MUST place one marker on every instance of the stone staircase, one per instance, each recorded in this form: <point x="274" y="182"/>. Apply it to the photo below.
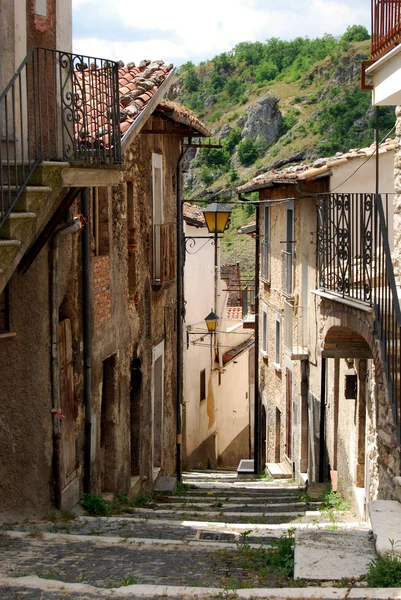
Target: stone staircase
<point x="35" y="205"/>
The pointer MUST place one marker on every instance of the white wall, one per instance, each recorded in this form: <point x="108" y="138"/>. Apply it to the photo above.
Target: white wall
<point x="219" y="419"/>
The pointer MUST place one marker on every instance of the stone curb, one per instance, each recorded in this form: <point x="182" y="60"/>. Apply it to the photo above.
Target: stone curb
<point x="123" y="541"/>
<point x="140" y="591"/>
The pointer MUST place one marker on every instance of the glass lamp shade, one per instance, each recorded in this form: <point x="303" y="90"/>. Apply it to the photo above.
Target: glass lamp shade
<point x="211" y="322"/>
<point x="216" y="217"/>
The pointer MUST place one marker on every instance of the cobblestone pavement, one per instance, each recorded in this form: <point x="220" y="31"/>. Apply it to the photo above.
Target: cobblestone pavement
<point x="191" y="540"/>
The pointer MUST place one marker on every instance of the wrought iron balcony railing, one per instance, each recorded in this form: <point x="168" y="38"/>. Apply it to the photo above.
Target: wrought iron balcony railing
<point x="354" y="260"/>
<point x="386" y="26"/>
<point x="58" y="106"/>
<point x="164" y="253"/>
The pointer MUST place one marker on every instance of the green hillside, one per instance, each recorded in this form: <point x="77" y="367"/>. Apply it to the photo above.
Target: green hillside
<point x="278" y="102"/>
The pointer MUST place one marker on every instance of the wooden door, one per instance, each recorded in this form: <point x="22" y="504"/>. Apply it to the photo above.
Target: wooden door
<point x="288" y="414"/>
<point x="68" y="435"/>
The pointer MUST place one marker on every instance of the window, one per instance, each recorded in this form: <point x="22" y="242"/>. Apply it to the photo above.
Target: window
<point x="202" y="395"/>
<point x="41" y="8"/>
<point x="288" y="253"/>
<point x="266" y="245"/>
<point x="4" y="311"/>
<point x="157" y="187"/>
<point x="100" y="221"/>
<point x="277" y="354"/>
<point x="264" y="331"/>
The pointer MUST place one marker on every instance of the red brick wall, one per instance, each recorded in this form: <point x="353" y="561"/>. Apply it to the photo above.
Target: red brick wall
<point x="101" y="288"/>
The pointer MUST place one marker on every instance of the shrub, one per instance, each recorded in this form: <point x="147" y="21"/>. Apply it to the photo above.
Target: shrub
<point x="95" y="505"/>
<point x="385" y="571"/>
<point x="206" y="175"/>
<point x="247" y="152"/>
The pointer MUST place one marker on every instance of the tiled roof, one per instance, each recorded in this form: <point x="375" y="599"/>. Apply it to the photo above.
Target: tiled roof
<point x="193" y="213"/>
<point x="183" y="115"/>
<point x="248" y="228"/>
<point x="138" y="85"/>
<point x="234" y="312"/>
<point x="318" y="168"/>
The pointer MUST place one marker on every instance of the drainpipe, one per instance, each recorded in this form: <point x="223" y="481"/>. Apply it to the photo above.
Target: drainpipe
<point x="257" y="411"/>
<point x="322" y="453"/>
<point x="86" y="325"/>
<point x="180" y="313"/>
<point x="55" y="372"/>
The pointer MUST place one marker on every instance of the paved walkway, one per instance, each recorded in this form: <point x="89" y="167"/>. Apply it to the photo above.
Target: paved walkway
<point x="210" y="540"/>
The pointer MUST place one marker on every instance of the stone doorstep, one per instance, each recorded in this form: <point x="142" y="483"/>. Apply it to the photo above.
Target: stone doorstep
<point x="332" y="555"/>
<point x="152" y="591"/>
<point x="385" y="518"/>
<point x="279" y="470"/>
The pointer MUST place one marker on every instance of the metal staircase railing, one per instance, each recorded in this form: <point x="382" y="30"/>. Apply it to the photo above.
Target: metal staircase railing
<point x="354" y="261"/>
<point x="61" y="107"/>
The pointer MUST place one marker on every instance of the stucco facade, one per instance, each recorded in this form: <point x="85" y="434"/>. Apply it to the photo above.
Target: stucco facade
<point x="216" y="396"/>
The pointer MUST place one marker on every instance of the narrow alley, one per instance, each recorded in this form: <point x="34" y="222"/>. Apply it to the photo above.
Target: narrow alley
<point x="210" y="537"/>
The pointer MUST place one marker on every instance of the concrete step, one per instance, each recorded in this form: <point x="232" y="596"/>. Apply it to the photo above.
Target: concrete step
<point x="17" y="226"/>
<point x="279" y="470"/>
<point x="385" y="519"/>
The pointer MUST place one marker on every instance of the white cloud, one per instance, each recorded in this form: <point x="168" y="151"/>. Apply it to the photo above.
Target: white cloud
<point x="215" y="26"/>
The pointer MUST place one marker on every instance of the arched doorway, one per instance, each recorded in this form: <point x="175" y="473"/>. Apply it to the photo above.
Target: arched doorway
<point x="346" y="354"/>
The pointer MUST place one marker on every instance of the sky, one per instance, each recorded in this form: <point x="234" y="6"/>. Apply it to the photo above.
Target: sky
<point x="177" y="31"/>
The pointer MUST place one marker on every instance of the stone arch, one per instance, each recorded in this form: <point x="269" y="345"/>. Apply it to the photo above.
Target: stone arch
<point x="363" y="327"/>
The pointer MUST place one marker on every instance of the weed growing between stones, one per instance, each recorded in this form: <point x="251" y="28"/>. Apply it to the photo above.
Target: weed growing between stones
<point x="144" y="499"/>
<point x="385" y="570"/>
<point x="182" y="488"/>
<point x="128" y="580"/>
<point x="270" y="565"/>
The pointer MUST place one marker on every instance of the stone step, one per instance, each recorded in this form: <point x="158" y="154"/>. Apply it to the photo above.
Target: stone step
<point x="279" y="470"/>
<point x="17" y="226"/>
<point x="385" y="519"/>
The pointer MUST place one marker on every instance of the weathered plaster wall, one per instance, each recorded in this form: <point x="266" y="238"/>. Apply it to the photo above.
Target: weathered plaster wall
<point x="26" y="395"/>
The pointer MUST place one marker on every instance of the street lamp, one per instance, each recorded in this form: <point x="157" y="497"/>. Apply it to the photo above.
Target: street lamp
<point x="217" y="217"/>
<point x="211" y="322"/>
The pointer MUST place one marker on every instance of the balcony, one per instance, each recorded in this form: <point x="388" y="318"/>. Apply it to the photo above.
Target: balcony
<point x="57" y="107"/>
<point x="385" y="66"/>
<point x="386" y="26"/>
<point x="164" y="254"/>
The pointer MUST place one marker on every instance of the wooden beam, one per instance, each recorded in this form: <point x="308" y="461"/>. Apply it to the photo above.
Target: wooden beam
<point x="203" y="145"/>
<point x="48" y="229"/>
<point x="184" y="132"/>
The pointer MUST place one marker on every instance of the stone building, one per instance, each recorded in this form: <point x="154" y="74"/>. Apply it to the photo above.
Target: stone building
<point x="325" y="396"/>
<point x="88" y="268"/>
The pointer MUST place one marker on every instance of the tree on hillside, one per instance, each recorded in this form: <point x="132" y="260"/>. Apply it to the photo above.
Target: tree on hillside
<point x="355" y="33"/>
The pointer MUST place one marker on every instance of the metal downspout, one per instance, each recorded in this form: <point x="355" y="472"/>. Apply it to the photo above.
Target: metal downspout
<point x="86" y="324"/>
<point x="180" y="314"/>
<point x="322" y="445"/>
<point x="56" y="403"/>
<point x="257" y="433"/>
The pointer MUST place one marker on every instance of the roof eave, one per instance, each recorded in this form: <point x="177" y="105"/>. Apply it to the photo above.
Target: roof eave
<point x="147" y="112"/>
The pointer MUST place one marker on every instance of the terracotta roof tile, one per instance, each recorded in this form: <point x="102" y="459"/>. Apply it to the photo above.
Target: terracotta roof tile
<point x="319" y="167"/>
<point x="234" y="312"/>
<point x="194" y="213"/>
<point x="137" y="86"/>
<point x="181" y="114"/>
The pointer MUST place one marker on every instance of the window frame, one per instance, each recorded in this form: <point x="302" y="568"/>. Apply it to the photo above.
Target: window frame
<point x="277" y="343"/>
